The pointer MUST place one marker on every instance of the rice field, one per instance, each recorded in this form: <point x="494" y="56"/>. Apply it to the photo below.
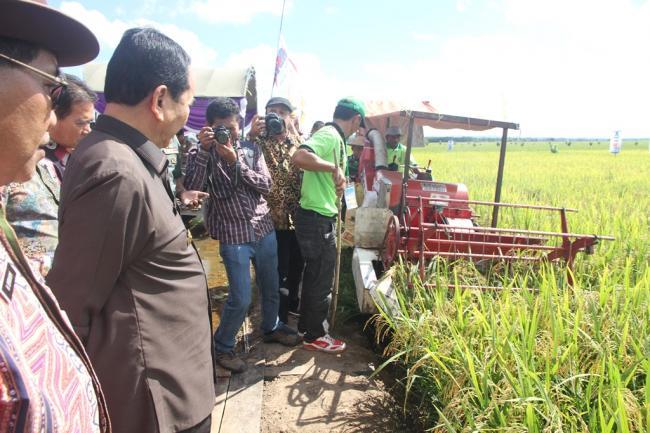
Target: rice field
<point x="552" y="359"/>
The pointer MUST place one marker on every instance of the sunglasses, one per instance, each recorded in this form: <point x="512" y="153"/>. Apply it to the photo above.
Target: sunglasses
<point x="57" y="84"/>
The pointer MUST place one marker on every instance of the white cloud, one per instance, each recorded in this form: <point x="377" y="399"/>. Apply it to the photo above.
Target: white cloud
<point x="262" y="58"/>
<point x="240" y="12"/>
<point x="423" y="37"/>
<point x="320" y="92"/>
<point x="109" y="32"/>
<point x="331" y="10"/>
<point x="462" y="5"/>
<point x="571" y="68"/>
<point x="565" y="68"/>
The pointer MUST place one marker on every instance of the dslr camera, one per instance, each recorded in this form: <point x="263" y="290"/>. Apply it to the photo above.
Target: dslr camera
<point x="274" y="124"/>
<point x="221" y="134"/>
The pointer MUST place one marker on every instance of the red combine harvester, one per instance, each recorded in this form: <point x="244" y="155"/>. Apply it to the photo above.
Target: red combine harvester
<point x="419" y="219"/>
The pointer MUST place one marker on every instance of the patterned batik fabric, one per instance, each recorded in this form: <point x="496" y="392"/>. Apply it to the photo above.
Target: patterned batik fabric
<point x="284" y="197"/>
<point x="32" y="210"/>
<point x="45" y="386"/>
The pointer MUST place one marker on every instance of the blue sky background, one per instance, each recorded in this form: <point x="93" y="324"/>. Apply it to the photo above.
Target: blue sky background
<point x="558" y="67"/>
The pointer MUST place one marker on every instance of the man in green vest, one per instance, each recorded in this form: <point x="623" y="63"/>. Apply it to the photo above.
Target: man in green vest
<point x="323" y="159"/>
<point x="396" y="151"/>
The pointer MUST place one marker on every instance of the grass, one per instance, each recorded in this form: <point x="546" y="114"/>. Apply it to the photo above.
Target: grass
<point x="556" y="359"/>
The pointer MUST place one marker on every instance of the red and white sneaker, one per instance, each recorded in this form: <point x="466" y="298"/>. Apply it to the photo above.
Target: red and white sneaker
<point x="325" y="344"/>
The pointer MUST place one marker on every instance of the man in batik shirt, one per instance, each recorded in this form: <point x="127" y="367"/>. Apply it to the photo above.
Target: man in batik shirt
<point x="284" y="197"/>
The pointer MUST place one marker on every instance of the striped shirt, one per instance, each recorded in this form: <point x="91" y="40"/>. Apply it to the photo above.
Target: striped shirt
<point x="237" y="211"/>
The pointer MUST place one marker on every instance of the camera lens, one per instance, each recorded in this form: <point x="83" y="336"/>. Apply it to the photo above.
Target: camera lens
<point x="221" y="134"/>
<point x="274" y="124"/>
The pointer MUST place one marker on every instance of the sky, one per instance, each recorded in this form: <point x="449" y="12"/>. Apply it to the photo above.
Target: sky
<point x="562" y="68"/>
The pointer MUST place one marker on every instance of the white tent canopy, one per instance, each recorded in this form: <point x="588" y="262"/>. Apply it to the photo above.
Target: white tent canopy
<point x="232" y="82"/>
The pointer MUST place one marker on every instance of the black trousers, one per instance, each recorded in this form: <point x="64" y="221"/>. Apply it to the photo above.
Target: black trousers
<point x="290" y="265"/>
<point x="317" y="240"/>
<point x="202" y="427"/>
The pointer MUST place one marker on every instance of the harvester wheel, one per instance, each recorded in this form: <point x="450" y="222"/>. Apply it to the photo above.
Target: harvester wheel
<point x="392" y="240"/>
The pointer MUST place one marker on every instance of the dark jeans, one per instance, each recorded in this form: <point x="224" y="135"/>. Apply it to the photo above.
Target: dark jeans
<point x="317" y="240"/>
<point x="290" y="264"/>
<point x="202" y="427"/>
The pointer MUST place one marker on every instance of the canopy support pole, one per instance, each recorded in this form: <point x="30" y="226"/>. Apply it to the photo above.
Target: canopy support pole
<point x="497" y="192"/>
<point x="407" y="160"/>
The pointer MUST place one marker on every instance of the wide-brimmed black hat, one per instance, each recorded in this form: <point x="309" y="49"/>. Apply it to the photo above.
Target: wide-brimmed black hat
<point x="34" y="21"/>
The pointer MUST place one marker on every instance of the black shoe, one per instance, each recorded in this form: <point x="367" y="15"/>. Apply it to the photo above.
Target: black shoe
<point x="283" y="335"/>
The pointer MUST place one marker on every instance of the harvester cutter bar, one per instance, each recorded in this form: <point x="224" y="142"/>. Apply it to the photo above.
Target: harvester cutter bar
<point x="519" y="231"/>
<point x="453" y="255"/>
<point x="461" y="242"/>
<point x="490" y="203"/>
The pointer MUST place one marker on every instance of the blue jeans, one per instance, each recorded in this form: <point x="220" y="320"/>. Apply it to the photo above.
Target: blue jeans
<point x="237" y="259"/>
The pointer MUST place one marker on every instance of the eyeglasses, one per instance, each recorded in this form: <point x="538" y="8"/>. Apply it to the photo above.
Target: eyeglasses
<point x="57" y="84"/>
<point x="83" y="123"/>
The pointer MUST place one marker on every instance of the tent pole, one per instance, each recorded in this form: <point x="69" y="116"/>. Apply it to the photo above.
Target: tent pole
<point x="497" y="192"/>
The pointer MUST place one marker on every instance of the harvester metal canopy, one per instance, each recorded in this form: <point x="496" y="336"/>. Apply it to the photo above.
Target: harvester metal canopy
<point x="384" y="114"/>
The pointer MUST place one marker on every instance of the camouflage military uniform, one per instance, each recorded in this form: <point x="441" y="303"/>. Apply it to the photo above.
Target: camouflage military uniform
<point x="32" y="210"/>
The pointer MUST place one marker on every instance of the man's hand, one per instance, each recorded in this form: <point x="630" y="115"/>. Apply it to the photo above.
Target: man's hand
<point x="258" y="128"/>
<point x="206" y="138"/>
<point x="338" y="176"/>
<point x="192" y="199"/>
<point x="226" y="152"/>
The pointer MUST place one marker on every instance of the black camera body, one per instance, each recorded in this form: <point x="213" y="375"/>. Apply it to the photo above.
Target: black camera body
<point x="221" y="134"/>
<point x="274" y="124"/>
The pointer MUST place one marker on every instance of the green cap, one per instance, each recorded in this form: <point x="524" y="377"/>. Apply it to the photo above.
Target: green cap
<point x="356" y="105"/>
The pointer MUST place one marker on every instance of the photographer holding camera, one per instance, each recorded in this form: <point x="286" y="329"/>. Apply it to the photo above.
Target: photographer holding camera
<point x="278" y="138"/>
<point x="238" y="217"/>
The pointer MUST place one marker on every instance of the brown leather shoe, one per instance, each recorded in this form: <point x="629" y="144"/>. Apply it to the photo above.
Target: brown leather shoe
<point x="230" y="361"/>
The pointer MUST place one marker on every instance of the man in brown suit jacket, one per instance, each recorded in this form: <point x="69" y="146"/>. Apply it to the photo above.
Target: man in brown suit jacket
<point x="124" y="271"/>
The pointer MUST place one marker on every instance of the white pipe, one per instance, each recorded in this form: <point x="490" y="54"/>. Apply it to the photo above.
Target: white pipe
<point x="380" y="148"/>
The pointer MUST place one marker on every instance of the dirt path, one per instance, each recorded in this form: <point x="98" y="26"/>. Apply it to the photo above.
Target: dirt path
<point x="302" y="391"/>
<point x="311" y="392"/>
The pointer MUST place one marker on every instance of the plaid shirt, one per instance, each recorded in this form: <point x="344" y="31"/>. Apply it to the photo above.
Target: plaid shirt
<point x="284" y="197"/>
<point x="237" y="212"/>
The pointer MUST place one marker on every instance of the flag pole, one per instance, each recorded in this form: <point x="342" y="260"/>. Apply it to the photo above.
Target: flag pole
<point x="277" y="49"/>
<point x="281" y="22"/>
